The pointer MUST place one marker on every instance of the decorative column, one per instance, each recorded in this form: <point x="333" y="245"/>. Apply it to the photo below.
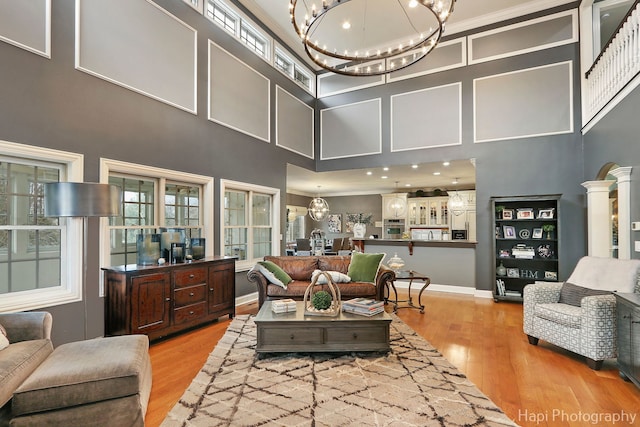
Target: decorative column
<point x="623" y="175"/>
<point x="598" y="230"/>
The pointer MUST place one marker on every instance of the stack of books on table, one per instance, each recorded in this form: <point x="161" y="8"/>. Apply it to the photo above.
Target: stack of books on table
<point x="363" y="306"/>
<point x="283" y="305"/>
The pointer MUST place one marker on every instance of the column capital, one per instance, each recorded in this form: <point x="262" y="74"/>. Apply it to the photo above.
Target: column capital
<point x="598" y="186"/>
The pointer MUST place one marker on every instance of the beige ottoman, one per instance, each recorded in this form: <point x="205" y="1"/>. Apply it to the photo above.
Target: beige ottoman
<point x="104" y="381"/>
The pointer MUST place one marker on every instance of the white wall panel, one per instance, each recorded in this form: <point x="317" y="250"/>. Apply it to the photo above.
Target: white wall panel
<point x="27" y="24"/>
<point x="532" y="102"/>
<point x="427" y="118"/>
<point x="446" y="56"/>
<point x="294" y="124"/>
<point x="351" y="130"/>
<point x="140" y="46"/>
<point x="238" y="95"/>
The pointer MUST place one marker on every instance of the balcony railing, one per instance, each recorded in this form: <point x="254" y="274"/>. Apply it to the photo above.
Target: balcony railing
<point x="616" y="66"/>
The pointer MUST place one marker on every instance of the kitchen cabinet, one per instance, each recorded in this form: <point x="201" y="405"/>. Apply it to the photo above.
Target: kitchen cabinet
<point x="466" y="220"/>
<point x="161" y="300"/>
<point x="628" y="323"/>
<point x="428" y="211"/>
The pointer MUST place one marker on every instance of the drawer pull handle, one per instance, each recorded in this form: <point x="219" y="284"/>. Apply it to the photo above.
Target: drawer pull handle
<point x="167" y="299"/>
<point x="211" y="289"/>
<point x="191" y="294"/>
<point x="191" y="312"/>
<point x="635" y="321"/>
<point x="191" y="276"/>
<point x="292" y="337"/>
<point x="355" y="336"/>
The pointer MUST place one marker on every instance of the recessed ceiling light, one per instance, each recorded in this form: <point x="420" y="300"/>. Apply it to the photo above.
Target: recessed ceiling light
<point x="384" y="177"/>
<point x="413" y="3"/>
<point x="346" y="25"/>
<point x="407" y="185"/>
<point x="414" y="166"/>
<point x="385" y="168"/>
<point x="436" y="173"/>
<point x="446" y="163"/>
<point x="369" y="173"/>
<point x="455" y="181"/>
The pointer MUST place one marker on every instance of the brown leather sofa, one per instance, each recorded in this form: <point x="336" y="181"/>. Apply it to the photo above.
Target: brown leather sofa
<point x="300" y="269"/>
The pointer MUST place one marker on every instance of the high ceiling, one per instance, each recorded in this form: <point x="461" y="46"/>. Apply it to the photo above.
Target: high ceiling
<point x="467" y="14"/>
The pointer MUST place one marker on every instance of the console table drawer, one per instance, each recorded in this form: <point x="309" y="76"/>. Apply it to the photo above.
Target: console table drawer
<point x="189" y="313"/>
<point x="291" y="336"/>
<point x="357" y="335"/>
<point x="190" y="295"/>
<point x="190" y="277"/>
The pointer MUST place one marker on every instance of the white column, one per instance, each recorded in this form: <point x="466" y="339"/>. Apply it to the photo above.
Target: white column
<point x="598" y="235"/>
<point x="623" y="175"/>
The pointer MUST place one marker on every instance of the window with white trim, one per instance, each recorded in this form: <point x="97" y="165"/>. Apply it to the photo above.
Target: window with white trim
<point x="177" y="208"/>
<point x="40" y="257"/>
<point x="155" y="200"/>
<point x="294" y="70"/>
<point x="250" y="222"/>
<point x="237" y="24"/>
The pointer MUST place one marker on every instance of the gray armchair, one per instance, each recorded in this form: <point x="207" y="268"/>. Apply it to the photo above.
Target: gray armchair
<point x="575" y="317"/>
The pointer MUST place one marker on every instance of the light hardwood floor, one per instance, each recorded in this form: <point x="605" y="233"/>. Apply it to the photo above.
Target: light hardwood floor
<point x="534" y="385"/>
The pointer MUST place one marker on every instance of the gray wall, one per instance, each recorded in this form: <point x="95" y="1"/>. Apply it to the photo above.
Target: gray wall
<point x="616" y="139"/>
<point x="526" y="166"/>
<point x="46" y="102"/>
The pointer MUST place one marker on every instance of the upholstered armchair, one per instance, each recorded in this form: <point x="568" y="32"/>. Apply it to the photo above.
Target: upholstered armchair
<point x="579" y="315"/>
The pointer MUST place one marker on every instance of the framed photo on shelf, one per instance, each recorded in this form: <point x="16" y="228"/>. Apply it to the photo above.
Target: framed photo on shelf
<point x="545" y="213"/>
<point x="551" y="275"/>
<point x="537" y="233"/>
<point x="525" y="213"/>
<point x="509" y="231"/>
<point x="507" y="214"/>
<point x="504" y="253"/>
<point x="513" y="272"/>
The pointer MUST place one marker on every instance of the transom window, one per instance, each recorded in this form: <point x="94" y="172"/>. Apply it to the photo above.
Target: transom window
<point x="292" y="69"/>
<point x="250" y="222"/>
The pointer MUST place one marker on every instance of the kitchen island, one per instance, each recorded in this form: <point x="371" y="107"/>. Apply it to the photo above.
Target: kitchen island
<point x="450" y="264"/>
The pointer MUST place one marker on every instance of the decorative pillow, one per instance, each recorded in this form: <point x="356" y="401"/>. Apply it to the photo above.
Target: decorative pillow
<point x="364" y="267"/>
<point x="4" y="341"/>
<point x="273" y="273"/>
<point x="572" y="294"/>
<point x="336" y="277"/>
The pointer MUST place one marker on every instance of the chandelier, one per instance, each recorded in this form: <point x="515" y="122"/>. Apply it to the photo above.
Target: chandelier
<point x="456" y="204"/>
<point x="369" y="37"/>
<point x="318" y="209"/>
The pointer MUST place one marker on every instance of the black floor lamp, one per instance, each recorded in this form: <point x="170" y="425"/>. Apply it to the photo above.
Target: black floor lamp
<point x="82" y="199"/>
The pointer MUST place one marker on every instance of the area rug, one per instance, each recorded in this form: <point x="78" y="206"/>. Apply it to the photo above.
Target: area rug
<point x="413" y="385"/>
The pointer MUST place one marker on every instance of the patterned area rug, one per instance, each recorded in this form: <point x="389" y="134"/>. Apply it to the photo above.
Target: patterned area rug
<point x="413" y="385"/>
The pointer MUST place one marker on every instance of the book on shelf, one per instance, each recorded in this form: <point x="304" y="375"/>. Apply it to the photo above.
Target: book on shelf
<point x="283" y="305"/>
<point x="361" y="311"/>
<point x="510" y="293"/>
<point x="365" y="303"/>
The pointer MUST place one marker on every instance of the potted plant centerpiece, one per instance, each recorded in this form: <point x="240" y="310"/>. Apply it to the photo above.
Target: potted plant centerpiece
<point x="360" y="222"/>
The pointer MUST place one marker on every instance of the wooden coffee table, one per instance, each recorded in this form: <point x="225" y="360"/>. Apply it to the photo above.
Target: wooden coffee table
<point x="295" y="332"/>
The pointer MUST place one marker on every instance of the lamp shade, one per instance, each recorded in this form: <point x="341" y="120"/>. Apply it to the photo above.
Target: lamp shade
<point x="81" y="199"/>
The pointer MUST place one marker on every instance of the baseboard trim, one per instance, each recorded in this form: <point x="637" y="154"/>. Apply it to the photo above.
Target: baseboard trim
<point x="465" y="290"/>
<point x="247" y="299"/>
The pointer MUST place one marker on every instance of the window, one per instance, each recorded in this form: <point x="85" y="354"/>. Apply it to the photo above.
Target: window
<point x="250" y="216"/>
<point x="292" y="69"/>
<point x="235" y="23"/>
<point x="155" y="200"/>
<point x="253" y="41"/>
<point x="40" y="257"/>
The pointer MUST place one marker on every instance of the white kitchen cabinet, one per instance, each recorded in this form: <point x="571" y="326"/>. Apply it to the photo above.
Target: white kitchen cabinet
<point x="428" y="211"/>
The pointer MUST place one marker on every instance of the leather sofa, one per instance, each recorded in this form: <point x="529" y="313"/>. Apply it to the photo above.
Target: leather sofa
<point x="300" y="269"/>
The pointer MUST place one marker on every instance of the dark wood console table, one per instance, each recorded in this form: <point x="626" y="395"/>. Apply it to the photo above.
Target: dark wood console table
<point x="165" y="299"/>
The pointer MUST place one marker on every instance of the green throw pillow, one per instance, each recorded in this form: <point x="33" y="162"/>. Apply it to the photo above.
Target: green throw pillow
<point x="278" y="276"/>
<point x="364" y="267"/>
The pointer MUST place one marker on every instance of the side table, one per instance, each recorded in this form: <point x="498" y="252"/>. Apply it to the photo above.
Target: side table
<point x="411" y="275"/>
